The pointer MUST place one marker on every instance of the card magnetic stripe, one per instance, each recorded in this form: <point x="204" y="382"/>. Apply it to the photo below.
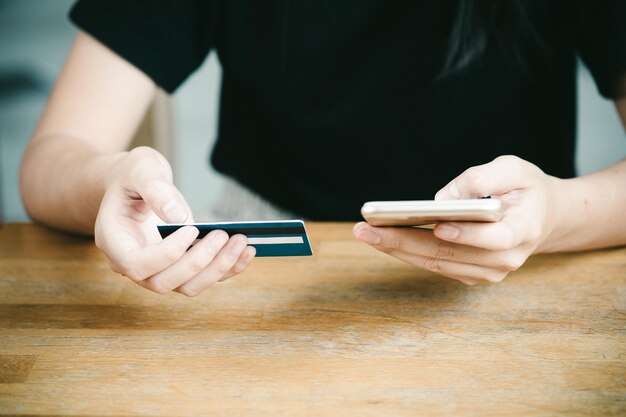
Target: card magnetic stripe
<point x="262" y="250"/>
<point x="232" y="230"/>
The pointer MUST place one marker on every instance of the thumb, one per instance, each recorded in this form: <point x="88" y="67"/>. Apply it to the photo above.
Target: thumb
<point x="165" y="200"/>
<point x="502" y="175"/>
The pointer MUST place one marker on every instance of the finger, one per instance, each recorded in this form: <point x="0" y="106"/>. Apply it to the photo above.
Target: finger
<point x="242" y="264"/>
<point x="224" y="261"/>
<point x="467" y="281"/>
<point x="149" y="178"/>
<point x="469" y="274"/>
<point x="502" y="175"/>
<point x="164" y="199"/>
<point x="191" y="264"/>
<point x="424" y="243"/>
<point x="504" y="235"/>
<point x="143" y="262"/>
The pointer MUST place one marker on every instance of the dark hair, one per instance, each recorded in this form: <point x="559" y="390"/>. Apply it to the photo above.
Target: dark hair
<point x="479" y="23"/>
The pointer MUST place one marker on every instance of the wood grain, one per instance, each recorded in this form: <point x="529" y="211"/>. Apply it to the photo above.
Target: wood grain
<point x="346" y="332"/>
<point x="15" y="368"/>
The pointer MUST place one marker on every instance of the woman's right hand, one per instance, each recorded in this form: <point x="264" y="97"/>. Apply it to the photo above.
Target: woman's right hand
<point x="139" y="195"/>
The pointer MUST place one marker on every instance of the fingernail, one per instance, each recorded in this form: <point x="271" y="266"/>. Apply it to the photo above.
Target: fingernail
<point x="174" y="212"/>
<point x="357" y="227"/>
<point x="448" y="231"/>
<point x="368" y="236"/>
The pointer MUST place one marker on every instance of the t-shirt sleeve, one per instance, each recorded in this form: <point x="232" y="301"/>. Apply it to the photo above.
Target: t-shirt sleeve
<point x="601" y="42"/>
<point x="166" y="39"/>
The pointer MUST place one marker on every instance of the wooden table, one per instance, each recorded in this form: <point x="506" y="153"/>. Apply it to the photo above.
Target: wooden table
<point x="347" y="332"/>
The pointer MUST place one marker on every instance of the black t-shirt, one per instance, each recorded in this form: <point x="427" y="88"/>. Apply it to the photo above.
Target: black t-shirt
<point x="328" y="104"/>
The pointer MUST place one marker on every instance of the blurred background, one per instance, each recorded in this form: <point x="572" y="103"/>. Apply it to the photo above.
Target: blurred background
<point x="35" y="36"/>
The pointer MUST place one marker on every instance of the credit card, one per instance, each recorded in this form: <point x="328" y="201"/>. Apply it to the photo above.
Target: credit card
<point x="270" y="238"/>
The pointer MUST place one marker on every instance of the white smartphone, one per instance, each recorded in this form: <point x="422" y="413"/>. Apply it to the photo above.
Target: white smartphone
<point x="425" y="212"/>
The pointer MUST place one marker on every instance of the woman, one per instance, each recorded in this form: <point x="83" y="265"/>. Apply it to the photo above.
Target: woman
<point x="325" y="105"/>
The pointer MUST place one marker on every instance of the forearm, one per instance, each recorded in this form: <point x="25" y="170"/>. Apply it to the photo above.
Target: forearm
<point x="63" y="181"/>
<point x="589" y="211"/>
<point x="92" y="114"/>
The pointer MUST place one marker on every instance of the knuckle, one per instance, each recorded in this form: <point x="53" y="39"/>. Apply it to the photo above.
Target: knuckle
<point x="141" y="151"/>
<point x="242" y="264"/>
<point x="239" y="267"/>
<point x="385" y="249"/>
<point x="145" y="152"/>
<point x="473" y="173"/>
<point x="393" y="241"/>
<point x="444" y="250"/>
<point x="231" y="257"/>
<point x="197" y="263"/>
<point x="131" y="271"/>
<point x="496" y="276"/>
<point x="515" y="163"/>
<point x="231" y="254"/>
<point x="159" y="288"/>
<point x="533" y="233"/>
<point x="116" y="268"/>
<point x="210" y="252"/>
<point x="513" y="262"/>
<point x="148" y="155"/>
<point x="189" y="291"/>
<point x="214" y="243"/>
<point x="171" y="256"/>
<point x="224" y="265"/>
<point x="476" y="180"/>
<point x="432" y="264"/>
<point x="508" y="158"/>
<point x="226" y="277"/>
<point x="518" y="164"/>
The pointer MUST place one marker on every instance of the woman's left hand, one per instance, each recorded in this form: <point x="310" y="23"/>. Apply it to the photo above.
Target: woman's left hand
<point x="472" y="252"/>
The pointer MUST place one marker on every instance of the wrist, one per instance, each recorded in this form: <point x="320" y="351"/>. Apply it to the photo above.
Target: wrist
<point x="564" y="212"/>
<point x="112" y="166"/>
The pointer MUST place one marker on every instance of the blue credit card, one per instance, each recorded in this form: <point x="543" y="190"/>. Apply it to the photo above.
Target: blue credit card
<point x="270" y="238"/>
